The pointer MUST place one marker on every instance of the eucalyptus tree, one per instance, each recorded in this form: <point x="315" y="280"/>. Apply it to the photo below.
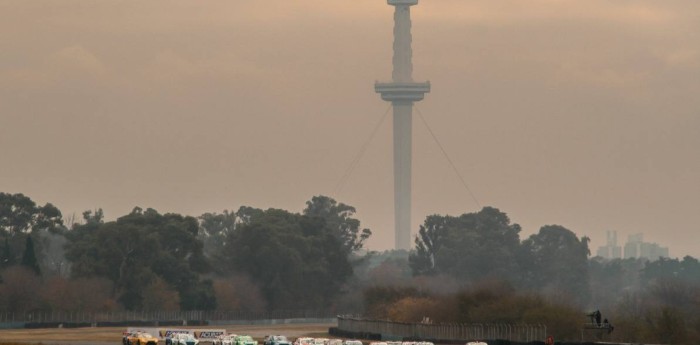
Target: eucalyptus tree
<point x="22" y="222"/>
<point x="471" y="247"/>
<point x="297" y="260"/>
<point x="557" y="262"/>
<point x="139" y="248"/>
<point x="339" y="218"/>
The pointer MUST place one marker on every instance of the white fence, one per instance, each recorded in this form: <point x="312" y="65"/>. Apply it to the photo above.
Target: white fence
<point x="454" y="332"/>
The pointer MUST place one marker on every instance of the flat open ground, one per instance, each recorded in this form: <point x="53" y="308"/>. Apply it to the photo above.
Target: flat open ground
<point x="113" y="335"/>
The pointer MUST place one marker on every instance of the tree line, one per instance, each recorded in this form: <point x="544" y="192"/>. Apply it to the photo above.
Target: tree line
<point x="474" y="268"/>
<point x="467" y="268"/>
<point x="250" y="259"/>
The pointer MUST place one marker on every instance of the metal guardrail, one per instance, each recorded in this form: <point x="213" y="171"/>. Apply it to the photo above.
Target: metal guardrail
<point x="161" y="316"/>
<point x="452" y="332"/>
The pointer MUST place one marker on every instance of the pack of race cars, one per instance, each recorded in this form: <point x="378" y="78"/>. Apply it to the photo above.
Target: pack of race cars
<point x="143" y="338"/>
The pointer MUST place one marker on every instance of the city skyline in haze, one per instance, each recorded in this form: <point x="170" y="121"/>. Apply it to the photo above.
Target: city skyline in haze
<point x="578" y="113"/>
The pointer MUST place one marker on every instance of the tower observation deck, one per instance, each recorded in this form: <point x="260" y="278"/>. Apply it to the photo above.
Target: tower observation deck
<point x="402" y="92"/>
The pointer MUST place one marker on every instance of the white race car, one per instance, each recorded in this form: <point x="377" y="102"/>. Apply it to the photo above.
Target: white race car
<point x="183" y="339"/>
<point x="225" y="339"/>
<point x="304" y="341"/>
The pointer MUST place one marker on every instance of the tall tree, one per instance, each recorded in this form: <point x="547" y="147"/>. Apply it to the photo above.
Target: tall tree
<point x="470" y="247"/>
<point x="19" y="214"/>
<point x="431" y="237"/>
<point x="6" y="258"/>
<point x="607" y="280"/>
<point x="686" y="270"/>
<point x="138" y="248"/>
<point x="20" y="217"/>
<point x="557" y="261"/>
<point x="297" y="260"/>
<point x="339" y="219"/>
<point x="29" y="257"/>
<point x="214" y="229"/>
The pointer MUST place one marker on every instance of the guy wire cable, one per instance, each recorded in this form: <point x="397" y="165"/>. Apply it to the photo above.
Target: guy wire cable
<point x="454" y="168"/>
<point x="356" y="160"/>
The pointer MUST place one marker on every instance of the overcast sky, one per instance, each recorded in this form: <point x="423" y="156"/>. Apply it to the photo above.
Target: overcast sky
<point x="580" y="113"/>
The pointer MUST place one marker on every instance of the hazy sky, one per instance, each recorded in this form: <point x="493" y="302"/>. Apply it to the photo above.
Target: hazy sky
<point x="580" y="113"/>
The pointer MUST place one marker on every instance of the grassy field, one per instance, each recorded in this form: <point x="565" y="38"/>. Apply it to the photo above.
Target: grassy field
<point x="113" y="335"/>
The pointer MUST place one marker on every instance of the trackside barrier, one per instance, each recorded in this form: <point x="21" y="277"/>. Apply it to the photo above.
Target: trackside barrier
<point x="449" y="332"/>
<point x="146" y="318"/>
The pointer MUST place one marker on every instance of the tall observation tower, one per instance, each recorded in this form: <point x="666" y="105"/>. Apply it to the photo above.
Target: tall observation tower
<point x="402" y="91"/>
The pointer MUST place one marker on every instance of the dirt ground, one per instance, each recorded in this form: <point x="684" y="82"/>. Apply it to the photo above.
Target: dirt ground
<point x="113" y="335"/>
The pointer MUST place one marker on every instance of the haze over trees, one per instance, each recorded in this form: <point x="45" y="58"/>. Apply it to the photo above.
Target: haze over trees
<point x="143" y="251"/>
<point x="486" y="246"/>
<point x="468" y="268"/>
<point x="21" y="218"/>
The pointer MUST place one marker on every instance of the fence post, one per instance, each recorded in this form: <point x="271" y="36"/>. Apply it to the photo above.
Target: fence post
<point x="545" y="331"/>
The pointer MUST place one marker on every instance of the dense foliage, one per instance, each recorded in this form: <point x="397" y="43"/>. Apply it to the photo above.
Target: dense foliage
<point x="487" y="302"/>
<point x="486" y="246"/>
<point x="22" y="222"/>
<point x="338" y="218"/>
<point x="469" y="268"/>
<point x="251" y="259"/>
<point x="19" y="214"/>
<point x="297" y="260"/>
<point x="472" y="246"/>
<point x="138" y="252"/>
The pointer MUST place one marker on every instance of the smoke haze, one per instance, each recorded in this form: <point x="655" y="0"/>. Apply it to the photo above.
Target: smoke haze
<point x="579" y="113"/>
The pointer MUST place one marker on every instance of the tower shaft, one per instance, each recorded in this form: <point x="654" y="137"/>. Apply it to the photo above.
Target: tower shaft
<point x="403" y="54"/>
<point x="403" y="147"/>
<point x="402" y="92"/>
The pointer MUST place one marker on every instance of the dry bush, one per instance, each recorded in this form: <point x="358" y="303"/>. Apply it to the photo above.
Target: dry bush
<point x="409" y="309"/>
<point x="351" y="300"/>
<point x="19" y="290"/>
<point x="498" y="302"/>
<point x="503" y="309"/>
<point x="378" y="299"/>
<point x="562" y="321"/>
<point x="94" y="294"/>
<point x="57" y="294"/>
<point x="438" y="284"/>
<point x="668" y="312"/>
<point x="674" y="293"/>
<point x="159" y="296"/>
<point x="628" y="317"/>
<point x="238" y="293"/>
<point x="475" y="304"/>
<point x="487" y="302"/>
<point x="388" y="273"/>
<point x="82" y="294"/>
<point x="666" y="325"/>
<point x="415" y="309"/>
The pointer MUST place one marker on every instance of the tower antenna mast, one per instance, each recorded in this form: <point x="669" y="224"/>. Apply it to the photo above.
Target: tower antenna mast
<point x="402" y="92"/>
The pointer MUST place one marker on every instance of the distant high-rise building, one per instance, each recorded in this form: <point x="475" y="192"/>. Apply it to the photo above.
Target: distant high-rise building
<point x="637" y="248"/>
<point x="611" y="250"/>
